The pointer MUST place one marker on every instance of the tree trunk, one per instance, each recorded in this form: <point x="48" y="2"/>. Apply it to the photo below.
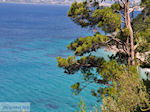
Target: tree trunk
<point x="131" y="60"/>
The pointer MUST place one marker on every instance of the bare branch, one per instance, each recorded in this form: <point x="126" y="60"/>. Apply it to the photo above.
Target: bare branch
<point x="134" y="8"/>
<point x="122" y="2"/>
<point x="112" y="37"/>
<point x="121" y="43"/>
<point x="122" y="21"/>
<point x="136" y="46"/>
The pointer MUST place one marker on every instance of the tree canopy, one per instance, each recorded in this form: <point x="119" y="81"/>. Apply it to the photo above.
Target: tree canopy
<point x="129" y="35"/>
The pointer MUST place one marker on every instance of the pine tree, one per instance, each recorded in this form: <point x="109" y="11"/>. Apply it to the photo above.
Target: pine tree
<point x="129" y="35"/>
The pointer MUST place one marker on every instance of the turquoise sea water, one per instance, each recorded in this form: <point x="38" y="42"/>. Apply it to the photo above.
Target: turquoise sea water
<point x="31" y="37"/>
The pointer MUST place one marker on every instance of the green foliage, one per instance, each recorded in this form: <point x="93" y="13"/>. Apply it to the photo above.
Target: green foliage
<point x="120" y="85"/>
<point x="76" y="86"/>
<point x="83" y="14"/>
<point x="127" y="91"/>
<point x="143" y="39"/>
<point x="142" y="31"/>
<point x="125" y="32"/>
<point x="84" y="64"/>
<point x="87" y="44"/>
<point x="126" y="88"/>
<point x="82" y="106"/>
<point x="80" y="14"/>
<point x="145" y="3"/>
<point x="116" y="7"/>
<point x="62" y="62"/>
<point x="109" y="21"/>
<point x="121" y="58"/>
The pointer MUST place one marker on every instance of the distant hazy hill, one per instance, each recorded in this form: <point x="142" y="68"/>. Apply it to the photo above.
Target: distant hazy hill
<point x="63" y="2"/>
<point x="40" y="1"/>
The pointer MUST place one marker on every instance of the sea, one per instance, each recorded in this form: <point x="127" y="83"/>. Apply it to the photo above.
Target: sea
<point x="31" y="37"/>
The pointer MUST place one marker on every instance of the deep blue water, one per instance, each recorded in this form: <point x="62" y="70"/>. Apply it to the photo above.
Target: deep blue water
<point x="31" y="37"/>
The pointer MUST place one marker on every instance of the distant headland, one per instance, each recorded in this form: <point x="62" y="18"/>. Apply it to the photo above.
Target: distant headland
<point x="58" y="2"/>
<point x="54" y="2"/>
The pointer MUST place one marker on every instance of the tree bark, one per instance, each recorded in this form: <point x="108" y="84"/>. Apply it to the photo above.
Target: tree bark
<point x="130" y="39"/>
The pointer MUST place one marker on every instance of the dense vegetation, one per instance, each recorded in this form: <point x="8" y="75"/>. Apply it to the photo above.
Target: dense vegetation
<point x="130" y="36"/>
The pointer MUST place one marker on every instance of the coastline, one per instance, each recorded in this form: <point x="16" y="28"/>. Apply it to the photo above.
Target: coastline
<point x="144" y="72"/>
<point x="112" y="49"/>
